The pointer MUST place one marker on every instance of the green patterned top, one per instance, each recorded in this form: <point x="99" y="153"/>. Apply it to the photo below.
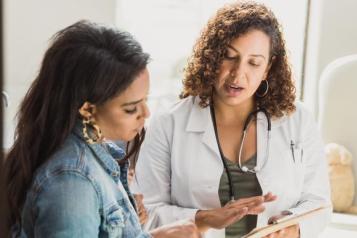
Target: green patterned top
<point x="244" y="185"/>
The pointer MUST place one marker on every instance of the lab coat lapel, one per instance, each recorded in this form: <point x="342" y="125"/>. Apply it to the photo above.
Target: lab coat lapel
<point x="200" y="121"/>
<point x="209" y="136"/>
<point x="262" y="129"/>
<point x="264" y="155"/>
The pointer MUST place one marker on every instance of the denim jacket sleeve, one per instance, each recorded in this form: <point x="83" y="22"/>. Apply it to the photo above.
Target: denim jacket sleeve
<point x="67" y="206"/>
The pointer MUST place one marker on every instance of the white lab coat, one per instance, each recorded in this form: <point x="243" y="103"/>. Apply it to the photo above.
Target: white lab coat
<point x="179" y="167"/>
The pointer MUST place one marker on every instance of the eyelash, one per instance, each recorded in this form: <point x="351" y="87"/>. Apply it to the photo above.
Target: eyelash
<point x="236" y="58"/>
<point x="254" y="65"/>
<point x="131" y="111"/>
<point x="231" y="57"/>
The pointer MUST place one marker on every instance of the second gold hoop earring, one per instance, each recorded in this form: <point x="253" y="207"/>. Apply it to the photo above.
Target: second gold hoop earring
<point x="264" y="88"/>
<point x="94" y="136"/>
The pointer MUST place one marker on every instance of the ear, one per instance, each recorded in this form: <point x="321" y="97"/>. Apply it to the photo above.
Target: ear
<point x="87" y="110"/>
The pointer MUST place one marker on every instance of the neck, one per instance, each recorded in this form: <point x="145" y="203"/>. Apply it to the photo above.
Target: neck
<point x="232" y="115"/>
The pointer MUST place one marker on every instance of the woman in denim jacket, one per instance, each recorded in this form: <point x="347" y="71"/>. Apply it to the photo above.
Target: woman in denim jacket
<point x="66" y="178"/>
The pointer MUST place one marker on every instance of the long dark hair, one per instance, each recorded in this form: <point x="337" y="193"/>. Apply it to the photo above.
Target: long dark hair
<point x="85" y="62"/>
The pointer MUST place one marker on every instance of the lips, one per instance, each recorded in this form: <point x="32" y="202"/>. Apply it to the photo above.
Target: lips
<point x="139" y="129"/>
<point x="234" y="86"/>
<point x="233" y="90"/>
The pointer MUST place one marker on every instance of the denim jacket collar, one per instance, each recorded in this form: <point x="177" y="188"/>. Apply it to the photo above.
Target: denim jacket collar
<point x="107" y="152"/>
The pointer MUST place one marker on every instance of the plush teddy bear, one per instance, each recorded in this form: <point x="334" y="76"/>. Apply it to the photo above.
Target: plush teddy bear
<point x="341" y="178"/>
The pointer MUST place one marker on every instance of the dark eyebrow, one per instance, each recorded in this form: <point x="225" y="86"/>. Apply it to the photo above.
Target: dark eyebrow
<point x="234" y="49"/>
<point x="231" y="47"/>
<point x="258" y="56"/>
<point x="131" y="103"/>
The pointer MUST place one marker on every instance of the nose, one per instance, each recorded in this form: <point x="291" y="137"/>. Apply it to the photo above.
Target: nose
<point x="237" y="70"/>
<point x="145" y="111"/>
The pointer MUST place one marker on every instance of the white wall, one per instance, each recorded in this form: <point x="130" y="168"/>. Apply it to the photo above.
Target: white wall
<point x="292" y="16"/>
<point x="169" y="29"/>
<point x="166" y="29"/>
<point x="332" y="34"/>
<point x="28" y="26"/>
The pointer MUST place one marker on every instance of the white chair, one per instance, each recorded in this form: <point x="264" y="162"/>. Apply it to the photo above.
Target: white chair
<point x="337" y="115"/>
<point x="337" y="118"/>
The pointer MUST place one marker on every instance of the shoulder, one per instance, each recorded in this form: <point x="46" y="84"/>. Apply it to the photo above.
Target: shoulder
<point x="184" y="105"/>
<point x="56" y="202"/>
<point x="302" y="114"/>
<point x="177" y="112"/>
<point x="72" y="162"/>
<point x="301" y="119"/>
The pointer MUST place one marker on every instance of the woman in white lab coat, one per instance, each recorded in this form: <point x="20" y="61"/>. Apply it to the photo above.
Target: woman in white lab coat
<point x="236" y="133"/>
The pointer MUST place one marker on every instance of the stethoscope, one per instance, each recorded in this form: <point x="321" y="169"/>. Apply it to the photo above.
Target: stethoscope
<point x="243" y="168"/>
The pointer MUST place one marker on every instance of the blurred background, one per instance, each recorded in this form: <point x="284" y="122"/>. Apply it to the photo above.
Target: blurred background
<point x="321" y="37"/>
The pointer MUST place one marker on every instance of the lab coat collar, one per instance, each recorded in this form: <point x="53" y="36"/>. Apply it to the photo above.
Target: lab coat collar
<point x="275" y="122"/>
<point x="199" y="120"/>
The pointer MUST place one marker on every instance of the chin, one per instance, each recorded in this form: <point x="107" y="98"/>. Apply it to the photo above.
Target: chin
<point x="131" y="135"/>
<point x="126" y="137"/>
<point x="233" y="101"/>
<point x="230" y="100"/>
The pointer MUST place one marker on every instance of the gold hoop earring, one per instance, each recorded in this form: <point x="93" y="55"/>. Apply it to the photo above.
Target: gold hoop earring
<point x="261" y="95"/>
<point x="91" y="131"/>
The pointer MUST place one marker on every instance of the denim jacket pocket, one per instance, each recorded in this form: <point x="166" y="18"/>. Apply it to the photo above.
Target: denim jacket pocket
<point x="114" y="221"/>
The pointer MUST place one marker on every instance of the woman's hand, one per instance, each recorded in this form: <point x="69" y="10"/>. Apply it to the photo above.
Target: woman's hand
<point x="290" y="232"/>
<point x="233" y="211"/>
<point x="141" y="210"/>
<point x="181" y="229"/>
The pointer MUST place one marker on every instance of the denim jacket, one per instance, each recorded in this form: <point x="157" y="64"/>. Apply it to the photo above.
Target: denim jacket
<point x="81" y="191"/>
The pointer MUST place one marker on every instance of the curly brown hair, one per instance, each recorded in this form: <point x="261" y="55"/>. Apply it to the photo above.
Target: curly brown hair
<point x="230" y="22"/>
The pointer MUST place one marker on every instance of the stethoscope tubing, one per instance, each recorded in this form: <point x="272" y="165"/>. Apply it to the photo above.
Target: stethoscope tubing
<point x="244" y="169"/>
